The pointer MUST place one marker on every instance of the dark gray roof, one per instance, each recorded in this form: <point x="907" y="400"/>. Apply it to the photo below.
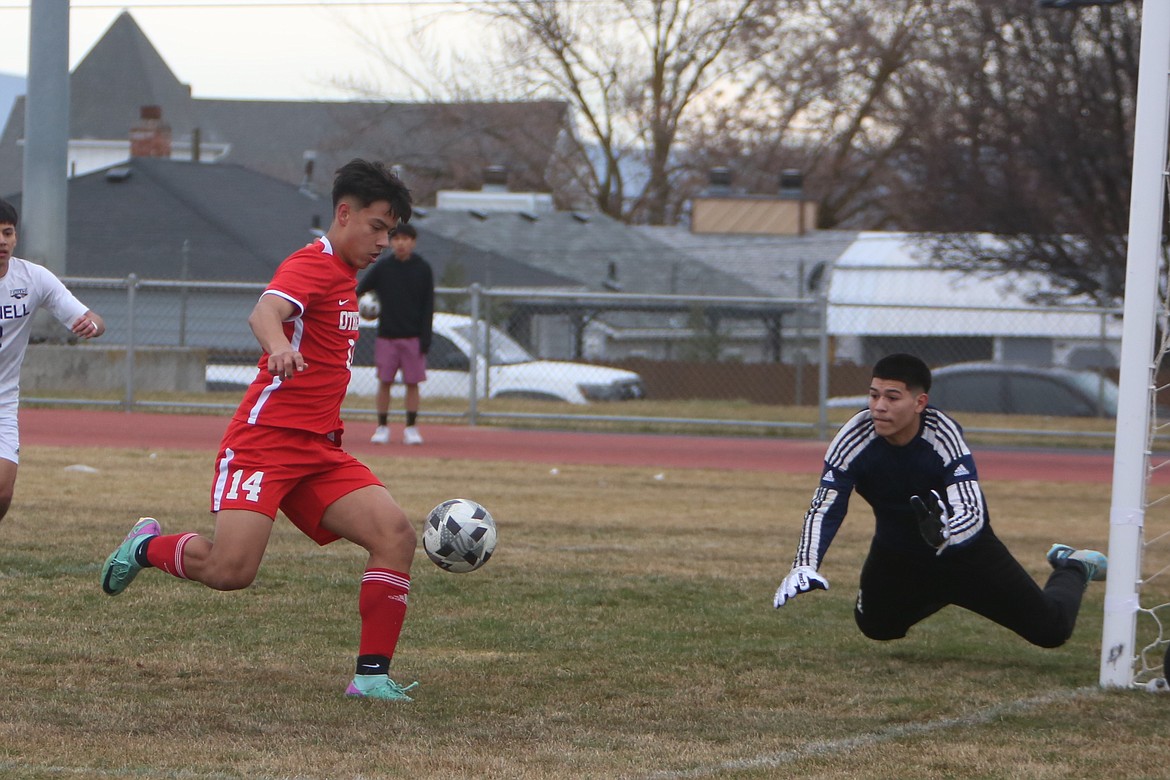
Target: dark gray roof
<point x="236" y="225"/>
<point x="583" y="247"/>
<point x="772" y="265"/>
<point x="11" y="87"/>
<point x="119" y="75"/>
<point x="439" y="145"/>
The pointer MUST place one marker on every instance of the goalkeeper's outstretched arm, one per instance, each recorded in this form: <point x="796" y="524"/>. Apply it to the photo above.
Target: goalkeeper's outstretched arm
<point x="821" y="522"/>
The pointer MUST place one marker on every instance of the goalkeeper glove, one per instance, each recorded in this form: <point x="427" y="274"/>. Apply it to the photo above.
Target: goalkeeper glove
<point x="932" y="522"/>
<point x="800" y="580"/>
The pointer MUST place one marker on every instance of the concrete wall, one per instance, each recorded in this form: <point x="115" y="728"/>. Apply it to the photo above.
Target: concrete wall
<point x="70" y="367"/>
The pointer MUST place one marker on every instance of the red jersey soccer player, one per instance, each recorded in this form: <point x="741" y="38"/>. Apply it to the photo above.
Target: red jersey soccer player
<point x="282" y="449"/>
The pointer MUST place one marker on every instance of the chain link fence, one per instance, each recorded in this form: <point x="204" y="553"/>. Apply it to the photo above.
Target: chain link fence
<point x="768" y="364"/>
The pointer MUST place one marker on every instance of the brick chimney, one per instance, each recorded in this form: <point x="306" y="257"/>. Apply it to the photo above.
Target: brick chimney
<point x="151" y="137"/>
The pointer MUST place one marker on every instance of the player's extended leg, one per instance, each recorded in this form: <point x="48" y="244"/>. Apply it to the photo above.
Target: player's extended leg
<point x="991" y="582"/>
<point x="8" y="470"/>
<point x="372" y="519"/>
<point x="895" y="593"/>
<point x="230" y="562"/>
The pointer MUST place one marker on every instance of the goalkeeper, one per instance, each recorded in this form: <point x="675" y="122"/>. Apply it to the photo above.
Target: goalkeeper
<point x="932" y="544"/>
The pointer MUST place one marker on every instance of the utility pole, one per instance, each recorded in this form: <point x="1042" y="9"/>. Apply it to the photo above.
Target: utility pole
<point x="44" y="201"/>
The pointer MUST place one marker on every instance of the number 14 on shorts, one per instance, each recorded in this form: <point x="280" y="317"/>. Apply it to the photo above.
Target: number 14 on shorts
<point x="248" y="485"/>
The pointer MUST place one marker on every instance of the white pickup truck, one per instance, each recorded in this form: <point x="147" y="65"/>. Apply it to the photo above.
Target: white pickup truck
<point x="507" y="371"/>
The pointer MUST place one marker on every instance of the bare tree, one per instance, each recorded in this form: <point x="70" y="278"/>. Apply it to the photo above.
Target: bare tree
<point x="634" y="71"/>
<point x="1023" y="128"/>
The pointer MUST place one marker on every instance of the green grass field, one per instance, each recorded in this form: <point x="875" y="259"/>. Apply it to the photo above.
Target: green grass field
<point x="623" y="629"/>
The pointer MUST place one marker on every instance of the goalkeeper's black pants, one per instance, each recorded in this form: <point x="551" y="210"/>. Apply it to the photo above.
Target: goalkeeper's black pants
<point x="899" y="589"/>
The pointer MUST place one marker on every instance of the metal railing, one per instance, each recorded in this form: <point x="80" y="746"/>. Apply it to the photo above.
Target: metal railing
<point x="759" y="355"/>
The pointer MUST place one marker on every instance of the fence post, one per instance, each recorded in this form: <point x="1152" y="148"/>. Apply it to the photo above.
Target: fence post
<point x="473" y="370"/>
<point x="184" y="271"/>
<point x="131" y="296"/>
<point x="823" y="371"/>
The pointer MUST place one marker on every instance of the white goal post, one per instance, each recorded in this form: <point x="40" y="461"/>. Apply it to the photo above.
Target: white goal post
<point x="1145" y="304"/>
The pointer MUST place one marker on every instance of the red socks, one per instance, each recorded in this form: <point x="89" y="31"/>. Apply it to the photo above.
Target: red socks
<point x="382" y="606"/>
<point x="166" y="553"/>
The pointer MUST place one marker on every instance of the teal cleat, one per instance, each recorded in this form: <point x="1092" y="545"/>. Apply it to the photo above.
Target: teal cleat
<point x="121" y="567"/>
<point x="378" y="686"/>
<point x="1094" y="564"/>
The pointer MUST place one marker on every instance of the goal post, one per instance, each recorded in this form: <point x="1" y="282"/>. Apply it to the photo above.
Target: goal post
<point x="1143" y="305"/>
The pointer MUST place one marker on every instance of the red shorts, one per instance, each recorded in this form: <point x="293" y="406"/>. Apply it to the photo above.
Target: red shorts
<point x="392" y="355"/>
<point x="262" y="469"/>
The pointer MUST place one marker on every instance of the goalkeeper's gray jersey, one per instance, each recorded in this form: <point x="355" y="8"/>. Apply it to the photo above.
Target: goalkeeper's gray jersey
<point x="887" y="476"/>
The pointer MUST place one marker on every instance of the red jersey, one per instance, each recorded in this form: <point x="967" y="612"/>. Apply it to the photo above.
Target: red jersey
<point x="324" y="330"/>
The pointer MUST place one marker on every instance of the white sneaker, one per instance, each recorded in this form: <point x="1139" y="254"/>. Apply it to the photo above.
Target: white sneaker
<point x="411" y="435"/>
<point x="381" y="435"/>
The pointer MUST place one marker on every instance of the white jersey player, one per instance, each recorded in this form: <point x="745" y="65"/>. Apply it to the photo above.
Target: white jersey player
<point x="24" y="288"/>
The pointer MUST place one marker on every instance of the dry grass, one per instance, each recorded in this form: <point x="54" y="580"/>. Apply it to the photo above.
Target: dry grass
<point x="623" y="629"/>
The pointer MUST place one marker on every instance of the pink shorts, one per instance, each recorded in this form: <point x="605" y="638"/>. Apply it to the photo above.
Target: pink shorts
<point x="262" y="469"/>
<point x="393" y="355"/>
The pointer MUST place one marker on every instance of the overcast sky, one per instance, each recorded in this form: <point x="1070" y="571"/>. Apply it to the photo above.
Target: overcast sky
<point x="258" y="48"/>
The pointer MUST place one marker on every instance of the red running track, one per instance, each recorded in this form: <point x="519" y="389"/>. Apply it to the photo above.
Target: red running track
<point x="140" y="430"/>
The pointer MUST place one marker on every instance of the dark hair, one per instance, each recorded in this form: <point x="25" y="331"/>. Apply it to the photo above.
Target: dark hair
<point x="370" y="182"/>
<point x="904" y="368"/>
<point x="404" y="229"/>
<point x="7" y="213"/>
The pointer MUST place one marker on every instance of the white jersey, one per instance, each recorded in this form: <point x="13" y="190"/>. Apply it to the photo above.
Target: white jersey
<point x="24" y="289"/>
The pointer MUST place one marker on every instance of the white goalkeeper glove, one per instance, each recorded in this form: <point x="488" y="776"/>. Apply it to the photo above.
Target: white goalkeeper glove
<point x="801" y="579"/>
<point x="932" y="521"/>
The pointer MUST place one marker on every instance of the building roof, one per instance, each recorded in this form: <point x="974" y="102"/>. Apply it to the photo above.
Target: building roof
<point x="222" y="222"/>
<point x="11" y="87"/>
<point x="774" y="265"/>
<point x="596" y="251"/>
<point x="437" y="144"/>
<point x="885" y="284"/>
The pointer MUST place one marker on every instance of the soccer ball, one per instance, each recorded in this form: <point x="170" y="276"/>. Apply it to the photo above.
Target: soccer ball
<point x="369" y="307"/>
<point x="459" y="535"/>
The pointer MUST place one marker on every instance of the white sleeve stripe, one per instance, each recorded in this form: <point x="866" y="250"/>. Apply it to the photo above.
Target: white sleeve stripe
<point x="967" y="499"/>
<point x="850" y="441"/>
<point x="946" y="437"/>
<point x="810" y="535"/>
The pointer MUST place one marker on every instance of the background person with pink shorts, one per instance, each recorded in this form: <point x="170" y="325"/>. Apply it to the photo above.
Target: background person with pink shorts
<point x="405" y="286"/>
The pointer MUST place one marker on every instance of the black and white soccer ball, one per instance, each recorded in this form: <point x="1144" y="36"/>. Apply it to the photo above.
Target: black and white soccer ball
<point x="369" y="307"/>
<point x="459" y="535"/>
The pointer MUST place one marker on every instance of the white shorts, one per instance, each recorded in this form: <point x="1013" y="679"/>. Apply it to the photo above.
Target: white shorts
<point x="9" y="437"/>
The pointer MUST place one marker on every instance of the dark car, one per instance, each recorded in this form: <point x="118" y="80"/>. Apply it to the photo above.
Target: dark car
<point x="1001" y="388"/>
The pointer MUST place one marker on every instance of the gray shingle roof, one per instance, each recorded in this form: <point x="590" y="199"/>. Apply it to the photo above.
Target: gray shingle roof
<point x="237" y="224"/>
<point x="772" y="265"/>
<point x="582" y="247"/>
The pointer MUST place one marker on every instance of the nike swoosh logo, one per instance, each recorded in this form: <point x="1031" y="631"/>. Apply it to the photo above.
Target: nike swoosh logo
<point x="343" y="301"/>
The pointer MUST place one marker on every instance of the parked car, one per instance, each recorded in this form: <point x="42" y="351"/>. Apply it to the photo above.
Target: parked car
<point x="514" y="372"/>
<point x="1003" y="388"/>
